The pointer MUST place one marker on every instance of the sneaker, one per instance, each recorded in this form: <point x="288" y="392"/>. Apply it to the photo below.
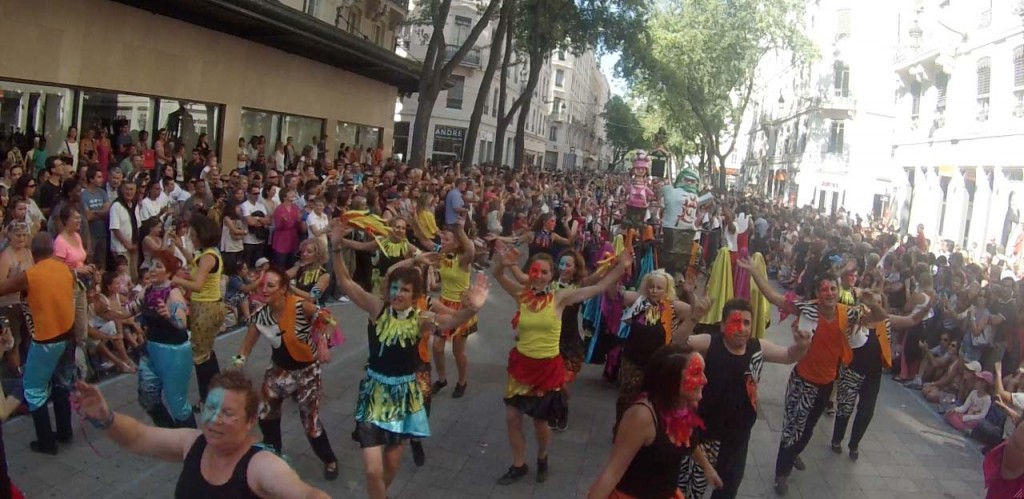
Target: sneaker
<point x="438" y="386"/>
<point x="43" y="449"/>
<point x="418" y="456"/>
<point x="781" y="487"/>
<point x="799" y="464"/>
<point x="514" y="474"/>
<point x="344" y="299"/>
<point x="542" y="470"/>
<point x="837" y="447"/>
<point x="460" y="390"/>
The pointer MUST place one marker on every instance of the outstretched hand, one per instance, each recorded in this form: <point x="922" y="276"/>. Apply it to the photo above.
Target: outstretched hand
<point x="745" y="264"/>
<point x="477" y="294"/>
<point x="90" y="401"/>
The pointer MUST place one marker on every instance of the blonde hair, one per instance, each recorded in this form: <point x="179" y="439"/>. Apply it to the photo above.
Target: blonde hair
<point x="319" y="252"/>
<point x="670" y="284"/>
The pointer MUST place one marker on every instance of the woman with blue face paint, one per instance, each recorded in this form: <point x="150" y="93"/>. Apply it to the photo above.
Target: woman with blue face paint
<point x="221" y="459"/>
<point x="391" y="407"/>
<point x="295" y="372"/>
<point x="165" y="368"/>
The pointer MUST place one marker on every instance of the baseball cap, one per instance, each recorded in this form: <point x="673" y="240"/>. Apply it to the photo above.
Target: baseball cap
<point x="985" y="375"/>
<point x="973" y="366"/>
<point x="263" y="261"/>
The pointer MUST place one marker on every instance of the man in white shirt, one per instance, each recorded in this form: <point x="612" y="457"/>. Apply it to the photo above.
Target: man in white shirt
<point x="174" y="192"/>
<point x="155" y="204"/>
<point x="256" y="217"/>
<point x="123" y="224"/>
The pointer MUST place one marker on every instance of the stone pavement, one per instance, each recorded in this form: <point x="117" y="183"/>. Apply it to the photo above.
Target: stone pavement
<point x="908" y="451"/>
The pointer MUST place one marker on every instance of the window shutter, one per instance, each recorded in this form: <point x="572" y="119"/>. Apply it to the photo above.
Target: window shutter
<point x="984" y="76"/>
<point x="941" y="83"/>
<point x="1018" y="67"/>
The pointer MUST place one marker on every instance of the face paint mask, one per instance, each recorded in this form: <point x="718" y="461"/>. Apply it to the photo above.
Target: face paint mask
<point x="693" y="378"/>
<point x="825" y="291"/>
<point x="734" y="325"/>
<point x="212" y="407"/>
<point x="395" y="288"/>
<point x="563" y="265"/>
<point x="535" y="271"/>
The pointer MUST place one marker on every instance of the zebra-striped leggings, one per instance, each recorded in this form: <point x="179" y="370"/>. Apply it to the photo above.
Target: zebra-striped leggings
<point x="860" y="390"/>
<point x="805" y="402"/>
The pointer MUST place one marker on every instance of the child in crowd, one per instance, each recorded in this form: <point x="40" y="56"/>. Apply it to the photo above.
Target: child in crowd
<point x="969" y="415"/>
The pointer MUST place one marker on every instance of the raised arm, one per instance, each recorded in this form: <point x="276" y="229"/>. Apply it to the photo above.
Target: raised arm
<point x="569" y="297"/>
<point x="507" y="257"/>
<point x="761" y="280"/>
<point x="369" y="302"/>
<point x="778" y="354"/>
<point x="468" y="248"/>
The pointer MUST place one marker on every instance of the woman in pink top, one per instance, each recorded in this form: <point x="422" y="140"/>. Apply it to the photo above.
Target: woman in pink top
<point x="69" y="249"/>
<point x="287" y="223"/>
<point x="104" y="151"/>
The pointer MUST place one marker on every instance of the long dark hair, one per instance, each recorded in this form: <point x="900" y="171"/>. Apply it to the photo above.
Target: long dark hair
<point x="664" y="374"/>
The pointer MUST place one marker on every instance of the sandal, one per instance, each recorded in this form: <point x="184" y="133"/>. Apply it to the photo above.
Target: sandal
<point x="331" y="471"/>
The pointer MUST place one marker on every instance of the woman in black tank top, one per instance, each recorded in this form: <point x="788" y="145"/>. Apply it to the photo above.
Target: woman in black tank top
<point x="235" y="466"/>
<point x="658" y="431"/>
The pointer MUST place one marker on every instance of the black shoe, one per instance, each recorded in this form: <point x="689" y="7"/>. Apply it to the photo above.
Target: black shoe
<point x="837" y="447"/>
<point x="799" y="464"/>
<point x="418" y="456"/>
<point x="42" y="448"/>
<point x="854" y="454"/>
<point x="460" y="390"/>
<point x="438" y="386"/>
<point x="542" y="470"/>
<point x="514" y="474"/>
<point x="562" y="421"/>
<point x="781" y="487"/>
<point x="331" y="474"/>
<point x="64" y="439"/>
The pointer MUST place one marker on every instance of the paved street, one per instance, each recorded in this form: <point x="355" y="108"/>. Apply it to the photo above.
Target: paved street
<point x="908" y="451"/>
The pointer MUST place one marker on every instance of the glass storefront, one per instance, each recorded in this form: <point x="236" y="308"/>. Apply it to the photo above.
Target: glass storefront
<point x="28" y="110"/>
<point x="362" y="136"/>
<point x="279" y="127"/>
<point x="448" y="142"/>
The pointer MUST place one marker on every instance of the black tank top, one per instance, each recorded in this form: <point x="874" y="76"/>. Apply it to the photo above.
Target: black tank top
<point x="192" y="485"/>
<point x="729" y="413"/>
<point x="643" y="341"/>
<point x="653" y="472"/>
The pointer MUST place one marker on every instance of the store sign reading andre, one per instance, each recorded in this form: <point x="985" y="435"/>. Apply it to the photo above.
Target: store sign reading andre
<point x="449" y="132"/>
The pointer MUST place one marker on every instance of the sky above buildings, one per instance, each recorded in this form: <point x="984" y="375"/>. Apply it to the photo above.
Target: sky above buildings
<point x="617" y="85"/>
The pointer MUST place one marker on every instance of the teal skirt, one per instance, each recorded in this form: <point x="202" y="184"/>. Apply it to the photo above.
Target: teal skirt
<point x="393" y="404"/>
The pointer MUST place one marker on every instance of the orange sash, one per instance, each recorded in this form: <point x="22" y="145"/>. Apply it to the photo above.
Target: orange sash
<point x="298" y="349"/>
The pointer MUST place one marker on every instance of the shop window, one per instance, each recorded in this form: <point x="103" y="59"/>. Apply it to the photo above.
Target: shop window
<point x="262" y="124"/>
<point x="28" y="111"/>
<point x="185" y="121"/>
<point x="454" y="100"/>
<point x="448" y="142"/>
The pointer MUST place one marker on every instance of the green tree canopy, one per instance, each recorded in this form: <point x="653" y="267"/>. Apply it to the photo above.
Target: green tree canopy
<point x="622" y="129"/>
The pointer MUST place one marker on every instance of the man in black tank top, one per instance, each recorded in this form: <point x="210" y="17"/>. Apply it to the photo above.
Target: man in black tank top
<point x="729" y="408"/>
<point x="243" y="468"/>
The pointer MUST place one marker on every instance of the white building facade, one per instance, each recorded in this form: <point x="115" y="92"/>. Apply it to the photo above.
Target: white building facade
<point x="450" y="118"/>
<point x="960" y="119"/>
<point x="574" y="100"/>
<point x="817" y="133"/>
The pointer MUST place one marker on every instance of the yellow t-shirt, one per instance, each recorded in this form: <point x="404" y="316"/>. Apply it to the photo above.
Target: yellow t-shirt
<point x="211" y="289"/>
<point x="454" y="279"/>
<point x="539" y="332"/>
<point x="427" y="223"/>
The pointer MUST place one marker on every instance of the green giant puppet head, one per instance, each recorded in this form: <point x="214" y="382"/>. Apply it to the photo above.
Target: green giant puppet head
<point x="688" y="180"/>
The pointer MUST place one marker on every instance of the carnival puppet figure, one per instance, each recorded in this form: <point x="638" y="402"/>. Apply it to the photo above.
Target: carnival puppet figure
<point x="639" y="194"/>
<point x="678" y="222"/>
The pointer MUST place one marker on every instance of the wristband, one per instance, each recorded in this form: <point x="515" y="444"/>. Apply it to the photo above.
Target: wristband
<point x="102" y="424"/>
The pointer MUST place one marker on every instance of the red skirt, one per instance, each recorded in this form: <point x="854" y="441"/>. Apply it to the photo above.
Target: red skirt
<point x="543" y="375"/>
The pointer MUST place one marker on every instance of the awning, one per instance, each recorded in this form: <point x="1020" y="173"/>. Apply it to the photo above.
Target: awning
<point x="276" y="25"/>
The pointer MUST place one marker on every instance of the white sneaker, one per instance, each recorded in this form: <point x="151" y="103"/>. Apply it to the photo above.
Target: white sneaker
<point x="344" y="299"/>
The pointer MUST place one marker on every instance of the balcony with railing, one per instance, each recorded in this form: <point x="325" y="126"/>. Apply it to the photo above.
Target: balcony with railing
<point x="838" y="106"/>
<point x="471" y="60"/>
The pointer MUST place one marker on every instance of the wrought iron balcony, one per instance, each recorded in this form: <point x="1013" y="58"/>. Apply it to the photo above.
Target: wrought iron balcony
<point x="471" y="60"/>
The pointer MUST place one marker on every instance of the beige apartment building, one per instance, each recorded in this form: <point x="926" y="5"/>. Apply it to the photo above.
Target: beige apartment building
<point x="228" y="68"/>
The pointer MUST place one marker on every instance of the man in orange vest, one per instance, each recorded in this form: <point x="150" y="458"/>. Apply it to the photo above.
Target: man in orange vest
<point x="49" y="294"/>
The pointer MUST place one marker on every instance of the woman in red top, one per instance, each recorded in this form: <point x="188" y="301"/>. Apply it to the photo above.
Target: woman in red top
<point x="287" y="222"/>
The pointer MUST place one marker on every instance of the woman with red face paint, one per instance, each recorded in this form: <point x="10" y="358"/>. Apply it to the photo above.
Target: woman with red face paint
<point x="536" y="370"/>
<point x="647" y="325"/>
<point x="542" y="239"/>
<point x="734" y="361"/>
<point x="810" y="383"/>
<point x="658" y="431"/>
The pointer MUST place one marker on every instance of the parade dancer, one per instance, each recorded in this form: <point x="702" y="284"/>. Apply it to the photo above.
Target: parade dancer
<point x="457" y="254"/>
<point x="647" y="324"/>
<point x="206" y="305"/>
<point x="658" y="431"/>
<point x="536" y="371"/>
<point x="165" y="368"/>
<point x="310" y="280"/>
<point x="390" y="249"/>
<point x="541" y="240"/>
<point x="287" y="321"/>
<point x="48" y="287"/>
<point x="391" y="406"/>
<point x="810" y="383"/>
<point x="734" y="361"/>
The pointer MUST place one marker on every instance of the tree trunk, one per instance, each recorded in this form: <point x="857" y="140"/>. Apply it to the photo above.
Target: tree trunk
<point x="536" y="62"/>
<point x="503" y="118"/>
<point x="493" y="58"/>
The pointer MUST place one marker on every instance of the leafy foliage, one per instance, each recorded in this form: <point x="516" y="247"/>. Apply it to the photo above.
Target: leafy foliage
<point x="623" y="130"/>
<point x="697" y="60"/>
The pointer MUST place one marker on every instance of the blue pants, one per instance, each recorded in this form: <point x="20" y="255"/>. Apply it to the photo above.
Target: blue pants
<point x="48" y="365"/>
<point x="164" y="374"/>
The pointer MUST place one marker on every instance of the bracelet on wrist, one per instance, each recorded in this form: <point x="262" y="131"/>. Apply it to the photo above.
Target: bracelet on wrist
<point x="102" y="424"/>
